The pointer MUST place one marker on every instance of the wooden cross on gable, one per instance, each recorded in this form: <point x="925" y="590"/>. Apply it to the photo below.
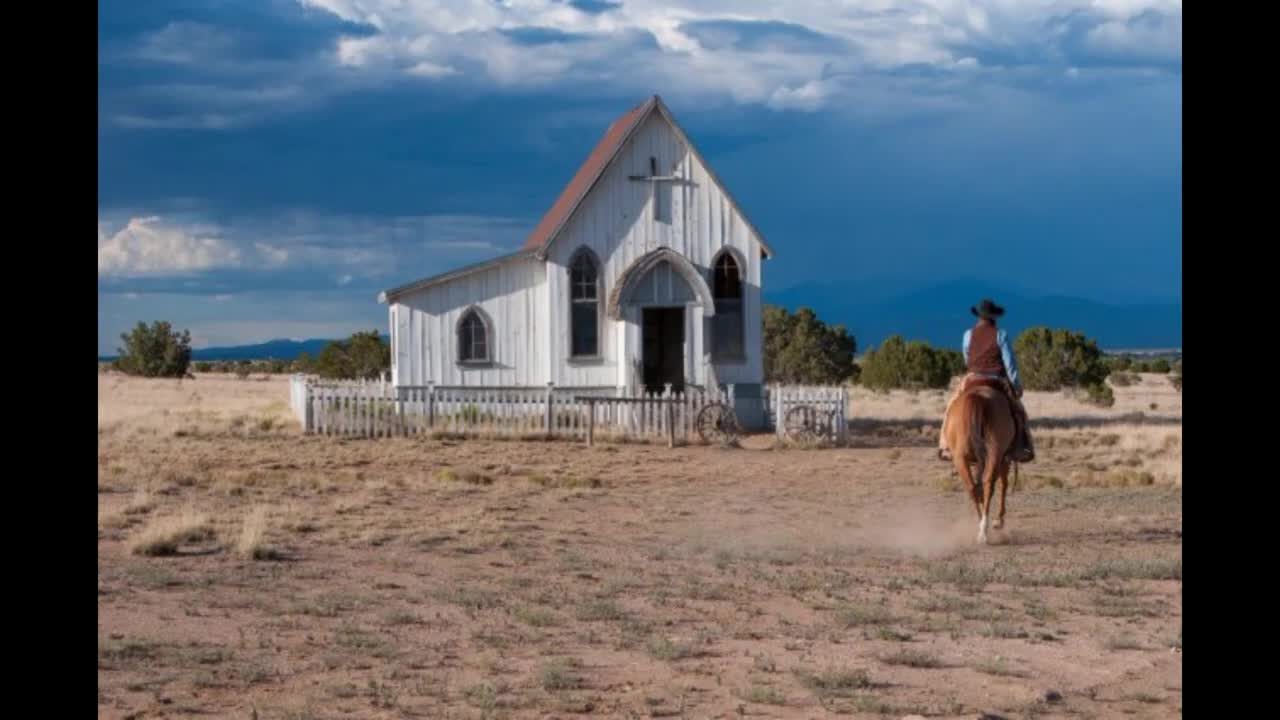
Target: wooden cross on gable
<point x="653" y="178"/>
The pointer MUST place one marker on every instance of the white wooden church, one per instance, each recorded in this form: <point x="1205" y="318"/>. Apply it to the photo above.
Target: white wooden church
<point x="644" y="273"/>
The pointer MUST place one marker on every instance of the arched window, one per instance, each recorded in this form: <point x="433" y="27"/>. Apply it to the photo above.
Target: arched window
<point x="584" y="297"/>
<point x="727" y="327"/>
<point x="473" y="338"/>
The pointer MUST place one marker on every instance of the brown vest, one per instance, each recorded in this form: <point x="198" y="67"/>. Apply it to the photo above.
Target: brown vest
<point x="984" y="351"/>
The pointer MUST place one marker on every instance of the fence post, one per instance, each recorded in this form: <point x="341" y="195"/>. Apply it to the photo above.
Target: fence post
<point x="666" y="396"/>
<point x="309" y="413"/>
<point x="591" y="421"/>
<point x="844" y="414"/>
<point x="431" y="405"/>
<point x="730" y="397"/>
<point x="671" y="420"/>
<point x="778" y="421"/>
<point x="550" y="415"/>
<point x="402" y="397"/>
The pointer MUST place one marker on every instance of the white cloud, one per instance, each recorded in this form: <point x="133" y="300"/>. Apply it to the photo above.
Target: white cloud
<point x="1151" y="37"/>
<point x="462" y="244"/>
<point x="647" y="44"/>
<point x="190" y="121"/>
<point x="184" y="43"/>
<point x="207" y="106"/>
<point x="152" y="245"/>
<point x="271" y="254"/>
<point x="171" y="250"/>
<point x="807" y="97"/>
<point x="146" y="245"/>
<point x="425" y="68"/>
<point x="703" y="52"/>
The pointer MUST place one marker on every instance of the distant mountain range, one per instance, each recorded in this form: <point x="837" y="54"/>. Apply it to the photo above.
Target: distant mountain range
<point x="940" y="314"/>
<point x="269" y="350"/>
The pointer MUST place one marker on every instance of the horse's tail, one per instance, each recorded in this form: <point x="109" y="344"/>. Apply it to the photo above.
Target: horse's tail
<point x="975" y="409"/>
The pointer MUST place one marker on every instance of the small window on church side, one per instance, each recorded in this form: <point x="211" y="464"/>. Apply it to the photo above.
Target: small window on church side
<point x="584" y="294"/>
<point x="727" y="325"/>
<point x="473" y="338"/>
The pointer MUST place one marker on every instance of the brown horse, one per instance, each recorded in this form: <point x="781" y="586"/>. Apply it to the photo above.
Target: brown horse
<point x="980" y="431"/>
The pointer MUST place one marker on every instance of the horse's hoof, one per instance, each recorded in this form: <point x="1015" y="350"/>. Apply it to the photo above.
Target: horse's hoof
<point x="999" y="525"/>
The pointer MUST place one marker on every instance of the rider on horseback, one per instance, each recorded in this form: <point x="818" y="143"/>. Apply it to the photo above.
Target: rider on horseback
<point x="989" y="360"/>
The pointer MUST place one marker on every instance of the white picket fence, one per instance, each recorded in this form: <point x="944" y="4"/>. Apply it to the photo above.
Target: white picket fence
<point x="376" y="409"/>
<point x="830" y="402"/>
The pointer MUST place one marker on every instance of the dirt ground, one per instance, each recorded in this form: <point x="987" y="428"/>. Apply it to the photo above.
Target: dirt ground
<point x="311" y="577"/>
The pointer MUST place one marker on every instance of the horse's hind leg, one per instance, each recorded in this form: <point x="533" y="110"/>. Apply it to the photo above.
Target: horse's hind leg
<point x="1004" y="488"/>
<point x="966" y="477"/>
<point x="988" y="478"/>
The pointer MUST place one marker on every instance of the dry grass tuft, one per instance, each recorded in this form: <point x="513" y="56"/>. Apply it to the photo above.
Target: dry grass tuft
<point x="163" y="535"/>
<point x="912" y="658"/>
<point x="466" y="475"/>
<point x="566" y="482"/>
<point x="141" y="502"/>
<point x="1128" y="478"/>
<point x="252" y="542"/>
<point x="835" y="682"/>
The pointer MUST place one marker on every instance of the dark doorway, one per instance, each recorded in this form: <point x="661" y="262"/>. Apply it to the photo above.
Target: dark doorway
<point x="663" y="338"/>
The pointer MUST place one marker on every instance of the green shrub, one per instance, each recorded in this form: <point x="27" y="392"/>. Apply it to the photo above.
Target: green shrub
<point x="156" y="351"/>
<point x="1054" y="359"/>
<point x="1100" y="394"/>
<point x="1119" y="363"/>
<point x="910" y="365"/>
<point x="800" y="348"/>
<point x="1160" y="365"/>
<point x="363" y="355"/>
<point x="1123" y="379"/>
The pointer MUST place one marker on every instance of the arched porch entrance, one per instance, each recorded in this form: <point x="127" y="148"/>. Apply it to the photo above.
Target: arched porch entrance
<point x="662" y="299"/>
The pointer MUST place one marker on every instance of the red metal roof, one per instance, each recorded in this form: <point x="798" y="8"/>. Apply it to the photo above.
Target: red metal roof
<point x="587" y="174"/>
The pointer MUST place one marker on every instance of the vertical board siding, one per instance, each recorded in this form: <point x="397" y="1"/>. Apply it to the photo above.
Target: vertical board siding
<point x="527" y="300"/>
<point x="511" y="296"/>
<point x="616" y="222"/>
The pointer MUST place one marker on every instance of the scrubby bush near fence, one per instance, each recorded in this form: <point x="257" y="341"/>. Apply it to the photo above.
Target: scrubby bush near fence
<point x="801" y="349"/>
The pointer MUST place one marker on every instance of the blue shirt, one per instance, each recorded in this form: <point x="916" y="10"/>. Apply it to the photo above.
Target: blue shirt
<point x="1006" y="354"/>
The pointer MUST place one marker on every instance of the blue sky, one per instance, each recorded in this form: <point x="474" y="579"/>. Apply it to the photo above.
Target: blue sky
<point x="265" y="167"/>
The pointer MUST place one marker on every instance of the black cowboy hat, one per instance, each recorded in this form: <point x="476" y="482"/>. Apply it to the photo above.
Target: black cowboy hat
<point x="987" y="309"/>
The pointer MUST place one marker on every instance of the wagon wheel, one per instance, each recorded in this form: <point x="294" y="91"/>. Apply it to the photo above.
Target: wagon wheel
<point x="806" y="423"/>
<point x="717" y="423"/>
